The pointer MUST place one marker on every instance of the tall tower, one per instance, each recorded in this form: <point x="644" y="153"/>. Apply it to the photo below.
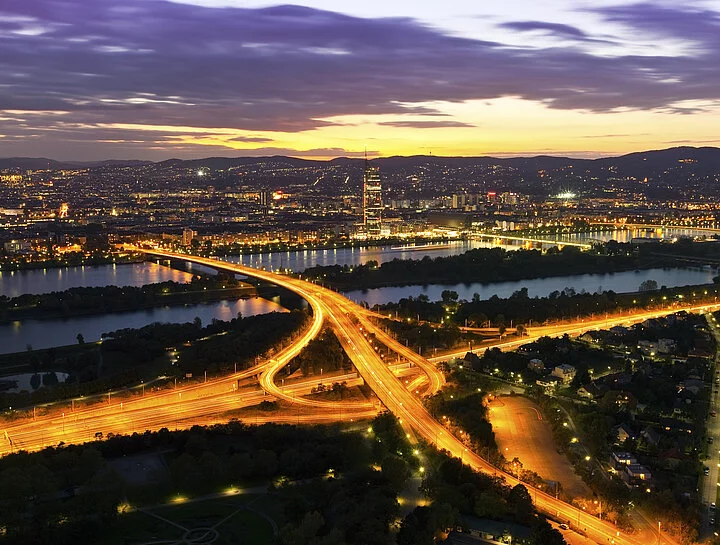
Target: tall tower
<point x="372" y="200"/>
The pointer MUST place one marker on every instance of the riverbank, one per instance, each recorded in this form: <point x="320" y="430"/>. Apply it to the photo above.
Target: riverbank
<point x="87" y="301"/>
<point x="165" y="300"/>
<point x="483" y="266"/>
<point x="74" y="259"/>
<point x="238" y="250"/>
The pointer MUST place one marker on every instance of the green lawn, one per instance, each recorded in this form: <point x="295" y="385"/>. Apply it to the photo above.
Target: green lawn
<point x="234" y="524"/>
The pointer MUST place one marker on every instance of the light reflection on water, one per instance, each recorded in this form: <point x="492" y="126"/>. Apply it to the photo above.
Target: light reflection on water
<point x="46" y="333"/>
<point x="14" y="283"/>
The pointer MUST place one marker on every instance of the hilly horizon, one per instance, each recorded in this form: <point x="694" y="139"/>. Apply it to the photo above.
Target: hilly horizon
<point x="657" y="158"/>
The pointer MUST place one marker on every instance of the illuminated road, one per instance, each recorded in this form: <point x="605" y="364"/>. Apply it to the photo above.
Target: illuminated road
<point x="349" y="323"/>
<point x="576" y="328"/>
<point x="709" y="483"/>
<point x="205" y="403"/>
<point x="201" y="404"/>
<point x="343" y="317"/>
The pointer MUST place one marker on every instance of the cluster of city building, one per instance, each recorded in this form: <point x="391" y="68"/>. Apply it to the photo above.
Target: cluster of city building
<point x="287" y="201"/>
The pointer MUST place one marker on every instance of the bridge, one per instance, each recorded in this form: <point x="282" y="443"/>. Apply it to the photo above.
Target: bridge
<point x="495" y="236"/>
<point x="348" y="320"/>
<point x="207" y="402"/>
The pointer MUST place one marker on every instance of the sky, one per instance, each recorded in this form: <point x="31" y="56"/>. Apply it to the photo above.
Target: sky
<point x="154" y="79"/>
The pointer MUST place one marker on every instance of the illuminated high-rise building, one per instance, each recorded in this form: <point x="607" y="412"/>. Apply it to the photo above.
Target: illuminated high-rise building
<point x="372" y="200"/>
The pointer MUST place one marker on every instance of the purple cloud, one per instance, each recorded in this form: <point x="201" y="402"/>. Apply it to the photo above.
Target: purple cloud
<point x="563" y="31"/>
<point x="290" y="68"/>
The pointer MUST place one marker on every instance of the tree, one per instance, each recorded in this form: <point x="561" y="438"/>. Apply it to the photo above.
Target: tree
<point x="541" y="533"/>
<point x="49" y="379"/>
<point x="35" y="381"/>
<point x="396" y="470"/>
<point x="306" y="532"/>
<point x="519" y="499"/>
<point x="521" y="330"/>
<point x="648" y="285"/>
<point x="80" y="338"/>
<point x="449" y="297"/>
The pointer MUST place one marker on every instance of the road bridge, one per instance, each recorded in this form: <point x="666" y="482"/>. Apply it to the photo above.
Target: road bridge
<point x="348" y="320"/>
<point x="504" y="236"/>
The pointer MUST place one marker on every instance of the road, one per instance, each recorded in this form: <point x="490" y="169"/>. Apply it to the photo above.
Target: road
<point x="202" y="404"/>
<point x="343" y="316"/>
<point x="576" y="328"/>
<point x="709" y="483"/>
<point x="347" y="320"/>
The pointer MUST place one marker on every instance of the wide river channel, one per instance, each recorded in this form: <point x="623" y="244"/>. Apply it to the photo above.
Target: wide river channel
<point x="18" y="335"/>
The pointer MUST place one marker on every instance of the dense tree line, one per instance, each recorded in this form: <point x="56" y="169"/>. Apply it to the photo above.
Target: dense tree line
<point x="128" y="356"/>
<point x="68" y="259"/>
<point x="337" y="487"/>
<point x="424" y="336"/>
<point x="467" y="412"/>
<point x="101" y="300"/>
<point x="520" y="308"/>
<point x="323" y="353"/>
<point x="246" y="339"/>
<point x="456" y="490"/>
<point x="478" y="265"/>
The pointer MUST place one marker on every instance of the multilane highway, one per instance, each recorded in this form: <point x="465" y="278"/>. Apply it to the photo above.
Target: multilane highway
<point x="345" y="318"/>
<point x="203" y="403"/>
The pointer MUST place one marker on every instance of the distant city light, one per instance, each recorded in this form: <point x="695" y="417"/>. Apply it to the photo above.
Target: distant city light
<point x="565" y="195"/>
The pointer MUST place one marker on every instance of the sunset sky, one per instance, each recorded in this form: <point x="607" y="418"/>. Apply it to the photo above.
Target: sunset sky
<point x="154" y="79"/>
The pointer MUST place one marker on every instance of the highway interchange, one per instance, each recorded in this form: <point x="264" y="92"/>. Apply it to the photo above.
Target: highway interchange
<point x="205" y="403"/>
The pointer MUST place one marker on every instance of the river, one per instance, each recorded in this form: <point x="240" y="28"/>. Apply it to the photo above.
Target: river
<point x="14" y="283"/>
<point x="18" y="335"/>
<point x="618" y="282"/>
<point x="45" y="333"/>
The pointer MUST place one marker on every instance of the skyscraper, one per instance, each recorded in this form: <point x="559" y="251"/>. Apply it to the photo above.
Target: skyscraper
<point x="372" y="200"/>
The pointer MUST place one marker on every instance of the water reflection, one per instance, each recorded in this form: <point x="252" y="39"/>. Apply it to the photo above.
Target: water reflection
<point x="618" y="282"/>
<point x="14" y="283"/>
<point x="47" y="333"/>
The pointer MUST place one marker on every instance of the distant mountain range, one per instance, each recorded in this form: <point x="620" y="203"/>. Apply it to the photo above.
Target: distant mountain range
<point x="39" y="163"/>
<point x="701" y="161"/>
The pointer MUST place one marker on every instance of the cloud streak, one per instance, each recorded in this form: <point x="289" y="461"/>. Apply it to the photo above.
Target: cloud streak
<point x="293" y="69"/>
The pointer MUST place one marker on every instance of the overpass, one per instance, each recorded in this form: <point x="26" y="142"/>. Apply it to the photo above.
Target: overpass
<point x="495" y="236"/>
<point x="349" y="321"/>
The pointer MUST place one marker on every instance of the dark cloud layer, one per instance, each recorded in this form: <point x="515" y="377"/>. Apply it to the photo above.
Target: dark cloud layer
<point x="285" y="68"/>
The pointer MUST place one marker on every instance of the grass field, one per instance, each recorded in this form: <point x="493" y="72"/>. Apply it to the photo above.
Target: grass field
<point x="218" y="520"/>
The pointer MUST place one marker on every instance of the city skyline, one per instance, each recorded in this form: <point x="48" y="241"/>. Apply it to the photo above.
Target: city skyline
<point x="154" y="80"/>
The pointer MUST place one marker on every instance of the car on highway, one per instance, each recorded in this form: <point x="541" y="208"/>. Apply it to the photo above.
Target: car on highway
<point x="709" y="440"/>
<point x="713" y="413"/>
<point x="712" y="507"/>
<point x="564" y="526"/>
<point x="706" y="470"/>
